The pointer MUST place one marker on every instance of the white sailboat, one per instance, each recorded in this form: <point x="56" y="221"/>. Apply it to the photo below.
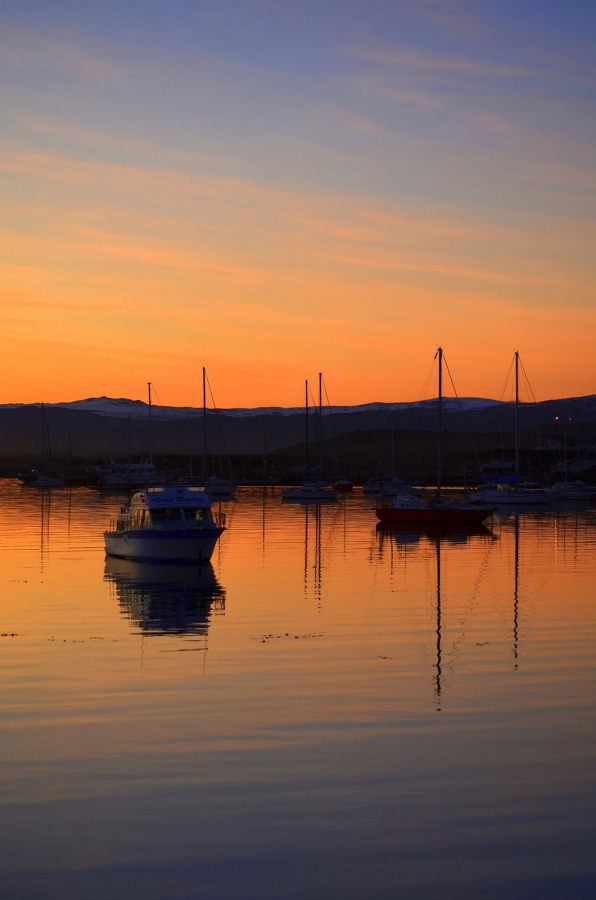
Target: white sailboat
<point x="410" y="509"/>
<point x="512" y="494"/>
<point x="310" y="490"/>
<point x="216" y="485"/>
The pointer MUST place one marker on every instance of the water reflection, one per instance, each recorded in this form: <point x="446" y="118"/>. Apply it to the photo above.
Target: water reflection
<point x="323" y="525"/>
<point x="439" y="538"/>
<point x="166" y="599"/>
<point x="315" y="739"/>
<point x="403" y="533"/>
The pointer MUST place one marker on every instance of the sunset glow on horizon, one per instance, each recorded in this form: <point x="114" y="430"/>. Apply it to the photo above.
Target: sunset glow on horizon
<point x="274" y="190"/>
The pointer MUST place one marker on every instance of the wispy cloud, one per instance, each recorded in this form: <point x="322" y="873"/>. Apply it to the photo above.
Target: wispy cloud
<point x="59" y="52"/>
<point x="448" y="15"/>
<point x="433" y="62"/>
<point x="157" y="217"/>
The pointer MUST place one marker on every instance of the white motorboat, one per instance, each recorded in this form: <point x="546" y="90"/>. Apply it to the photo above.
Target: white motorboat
<point x="170" y="524"/>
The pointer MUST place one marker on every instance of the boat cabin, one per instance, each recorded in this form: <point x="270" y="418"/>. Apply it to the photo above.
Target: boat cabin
<point x="181" y="507"/>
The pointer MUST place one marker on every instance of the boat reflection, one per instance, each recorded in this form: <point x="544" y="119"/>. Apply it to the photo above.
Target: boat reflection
<point x="166" y="598"/>
<point x="405" y="533"/>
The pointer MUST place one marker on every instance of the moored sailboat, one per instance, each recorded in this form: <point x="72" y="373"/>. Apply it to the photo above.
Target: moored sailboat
<point x="411" y="509"/>
<point x="310" y="490"/>
<point x="513" y="493"/>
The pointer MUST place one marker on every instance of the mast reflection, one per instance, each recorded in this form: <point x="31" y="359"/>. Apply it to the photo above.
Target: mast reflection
<point x="312" y="550"/>
<point x="516" y="590"/>
<point x="438" y="536"/>
<point x="166" y="599"/>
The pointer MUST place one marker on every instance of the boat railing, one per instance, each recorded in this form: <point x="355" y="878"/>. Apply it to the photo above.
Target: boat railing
<point x="175" y="525"/>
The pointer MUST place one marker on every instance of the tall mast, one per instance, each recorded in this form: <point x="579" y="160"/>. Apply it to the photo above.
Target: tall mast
<point x="306" y="412"/>
<point x="439" y="356"/>
<point x="150" y="425"/>
<point x="44" y="437"/>
<point x="320" y="428"/>
<point x="516" y="413"/>
<point x="204" y="426"/>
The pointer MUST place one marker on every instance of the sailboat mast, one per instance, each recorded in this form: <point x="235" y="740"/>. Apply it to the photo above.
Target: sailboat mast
<point x="516" y="413"/>
<point x="320" y="425"/>
<point x="307" y="438"/>
<point x="150" y="425"/>
<point x="204" y="426"/>
<point x="439" y="356"/>
<point x="44" y="437"/>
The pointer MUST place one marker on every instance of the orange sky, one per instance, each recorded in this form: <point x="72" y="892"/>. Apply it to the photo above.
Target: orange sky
<point x="345" y="206"/>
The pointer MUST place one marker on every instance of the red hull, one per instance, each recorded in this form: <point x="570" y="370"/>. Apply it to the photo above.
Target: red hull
<point x="433" y="515"/>
<point x="343" y="486"/>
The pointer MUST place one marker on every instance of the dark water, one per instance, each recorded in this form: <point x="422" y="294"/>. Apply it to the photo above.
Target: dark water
<point x="330" y="710"/>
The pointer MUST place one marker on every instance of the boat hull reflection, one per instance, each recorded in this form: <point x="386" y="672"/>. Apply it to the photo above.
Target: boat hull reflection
<point x="433" y="530"/>
<point x="164" y="598"/>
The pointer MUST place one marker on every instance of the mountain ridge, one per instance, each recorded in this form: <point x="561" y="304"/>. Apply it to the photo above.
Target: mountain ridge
<point x="71" y="431"/>
<point x="121" y="406"/>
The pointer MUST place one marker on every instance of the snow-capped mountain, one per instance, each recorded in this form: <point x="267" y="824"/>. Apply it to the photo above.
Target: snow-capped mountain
<point x="102" y="425"/>
<point x="132" y="409"/>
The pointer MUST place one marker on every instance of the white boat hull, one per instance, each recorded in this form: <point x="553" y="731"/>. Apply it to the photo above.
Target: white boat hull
<point x="184" y="545"/>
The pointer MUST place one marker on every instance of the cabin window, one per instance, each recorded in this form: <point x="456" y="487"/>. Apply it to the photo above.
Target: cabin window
<point x="168" y="514"/>
<point x="192" y="514"/>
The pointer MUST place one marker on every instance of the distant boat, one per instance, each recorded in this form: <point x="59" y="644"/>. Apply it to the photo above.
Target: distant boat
<point x="513" y="493"/>
<point x="165" y="524"/>
<point x="411" y="509"/>
<point x="343" y="485"/>
<point x="310" y="490"/>
<point x="510" y="495"/>
<point x="389" y="487"/>
<point x="216" y="485"/>
<point x="220" y="487"/>
<point x="132" y="474"/>
<point x="374" y="485"/>
<point x="47" y="481"/>
<point x="129" y="474"/>
<point x="572" y="490"/>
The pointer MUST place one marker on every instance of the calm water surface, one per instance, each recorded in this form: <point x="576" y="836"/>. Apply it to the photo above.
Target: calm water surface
<point x="329" y="710"/>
